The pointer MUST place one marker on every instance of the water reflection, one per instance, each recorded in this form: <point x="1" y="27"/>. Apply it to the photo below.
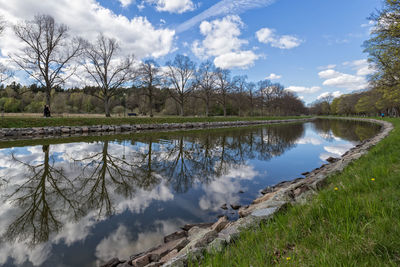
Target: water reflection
<point x="57" y="194"/>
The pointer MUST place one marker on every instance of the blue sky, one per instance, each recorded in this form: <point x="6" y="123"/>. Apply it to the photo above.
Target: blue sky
<point x="314" y="47"/>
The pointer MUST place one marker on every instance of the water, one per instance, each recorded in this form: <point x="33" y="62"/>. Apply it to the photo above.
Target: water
<point x="82" y="202"/>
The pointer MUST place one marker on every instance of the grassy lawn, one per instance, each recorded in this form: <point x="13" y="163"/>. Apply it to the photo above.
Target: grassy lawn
<point x="354" y="221"/>
<point x="25" y="122"/>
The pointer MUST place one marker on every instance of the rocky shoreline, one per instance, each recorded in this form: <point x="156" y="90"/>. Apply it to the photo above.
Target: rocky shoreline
<point x="10" y="134"/>
<point x="194" y="240"/>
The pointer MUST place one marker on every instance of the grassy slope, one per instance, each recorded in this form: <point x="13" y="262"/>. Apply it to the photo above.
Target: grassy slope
<point x="356" y="225"/>
<point x="21" y="122"/>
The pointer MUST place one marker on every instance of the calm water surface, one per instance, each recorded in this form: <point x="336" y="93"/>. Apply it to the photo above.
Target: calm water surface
<point x="82" y="203"/>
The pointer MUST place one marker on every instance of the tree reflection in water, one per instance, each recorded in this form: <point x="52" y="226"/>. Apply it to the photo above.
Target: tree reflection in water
<point x="105" y="175"/>
<point x="42" y="199"/>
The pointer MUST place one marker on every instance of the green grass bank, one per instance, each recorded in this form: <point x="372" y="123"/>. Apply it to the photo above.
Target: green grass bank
<point x="24" y="122"/>
<point x="353" y="221"/>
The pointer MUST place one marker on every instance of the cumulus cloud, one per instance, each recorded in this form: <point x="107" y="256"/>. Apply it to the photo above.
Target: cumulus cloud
<point x="362" y="67"/>
<point x="338" y="79"/>
<point x="268" y="36"/>
<point x="89" y="17"/>
<point x="304" y="90"/>
<point x="222" y="42"/>
<point x="173" y="6"/>
<point x="342" y="80"/>
<point x="330" y="94"/>
<point x="125" y="3"/>
<point x="239" y="59"/>
<point x="224" y="7"/>
<point x="273" y="76"/>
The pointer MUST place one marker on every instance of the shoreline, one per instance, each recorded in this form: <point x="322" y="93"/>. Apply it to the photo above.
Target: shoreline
<point x="196" y="239"/>
<point x="12" y="134"/>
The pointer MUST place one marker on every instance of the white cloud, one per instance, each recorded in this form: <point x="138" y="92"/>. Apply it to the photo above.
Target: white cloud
<point x="268" y="36"/>
<point x="125" y="3"/>
<point x="122" y="244"/>
<point x="333" y="94"/>
<point x="224" y="7"/>
<point x="225" y="188"/>
<point x="273" y="76"/>
<point x="173" y="6"/>
<point x="304" y="90"/>
<point x="240" y="59"/>
<point x="90" y="18"/>
<point x="309" y="140"/>
<point x="342" y="80"/>
<point x="362" y="67"/>
<point x="222" y="42"/>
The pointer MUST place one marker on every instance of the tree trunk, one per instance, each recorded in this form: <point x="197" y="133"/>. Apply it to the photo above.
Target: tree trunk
<point x="182" y="102"/>
<point x="207" y="107"/>
<point x="224" y="110"/>
<point x="151" y="105"/>
<point x="48" y="92"/>
<point x="107" y="106"/>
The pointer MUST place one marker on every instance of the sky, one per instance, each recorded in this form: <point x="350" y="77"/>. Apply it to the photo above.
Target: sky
<point x="312" y="47"/>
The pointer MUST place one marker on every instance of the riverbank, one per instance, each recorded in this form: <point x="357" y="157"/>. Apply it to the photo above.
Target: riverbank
<point x="29" y="122"/>
<point x="352" y="221"/>
<point x="127" y="125"/>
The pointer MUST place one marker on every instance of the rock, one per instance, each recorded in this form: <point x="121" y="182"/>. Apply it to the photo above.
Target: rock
<point x="300" y="190"/>
<point x="235" y="207"/>
<point x="241" y="192"/>
<point x="175" y="236"/>
<point x="220" y="224"/>
<point x="187" y="227"/>
<point x="264" y="213"/>
<point x="111" y="263"/>
<point x="65" y="130"/>
<point x="141" y="261"/>
<point x="264" y="198"/>
<point x="199" y="237"/>
<point x="267" y="190"/>
<point x="154" y="264"/>
<point x="305" y="173"/>
<point x="125" y="264"/>
<point x="169" y="256"/>
<point x="332" y="160"/>
<point x="224" y="207"/>
<point x="156" y="254"/>
<point x="262" y="205"/>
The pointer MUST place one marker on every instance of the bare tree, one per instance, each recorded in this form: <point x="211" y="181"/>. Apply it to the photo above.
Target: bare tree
<point x="149" y="78"/>
<point x="206" y="82"/>
<point x="5" y="73"/>
<point x="106" y="70"/>
<point x="251" y="94"/>
<point x="180" y="78"/>
<point x="47" y="52"/>
<point x="239" y="84"/>
<point x="224" y="86"/>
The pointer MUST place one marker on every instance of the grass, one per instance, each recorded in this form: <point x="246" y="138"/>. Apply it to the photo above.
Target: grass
<point x="24" y="122"/>
<point x="356" y="225"/>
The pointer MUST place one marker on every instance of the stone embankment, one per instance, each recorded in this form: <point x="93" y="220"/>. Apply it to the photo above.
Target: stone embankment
<point x="74" y="131"/>
<point x="194" y="240"/>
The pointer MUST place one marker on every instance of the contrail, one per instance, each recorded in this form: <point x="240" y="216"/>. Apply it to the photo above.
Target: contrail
<point x="223" y="7"/>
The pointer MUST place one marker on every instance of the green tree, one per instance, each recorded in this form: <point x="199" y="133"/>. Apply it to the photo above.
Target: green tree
<point x="384" y="53"/>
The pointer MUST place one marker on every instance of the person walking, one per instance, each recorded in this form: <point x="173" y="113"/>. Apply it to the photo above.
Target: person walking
<point x="46" y="111"/>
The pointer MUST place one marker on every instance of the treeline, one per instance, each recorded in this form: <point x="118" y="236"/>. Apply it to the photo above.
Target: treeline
<point x="383" y="49"/>
<point x="113" y="82"/>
